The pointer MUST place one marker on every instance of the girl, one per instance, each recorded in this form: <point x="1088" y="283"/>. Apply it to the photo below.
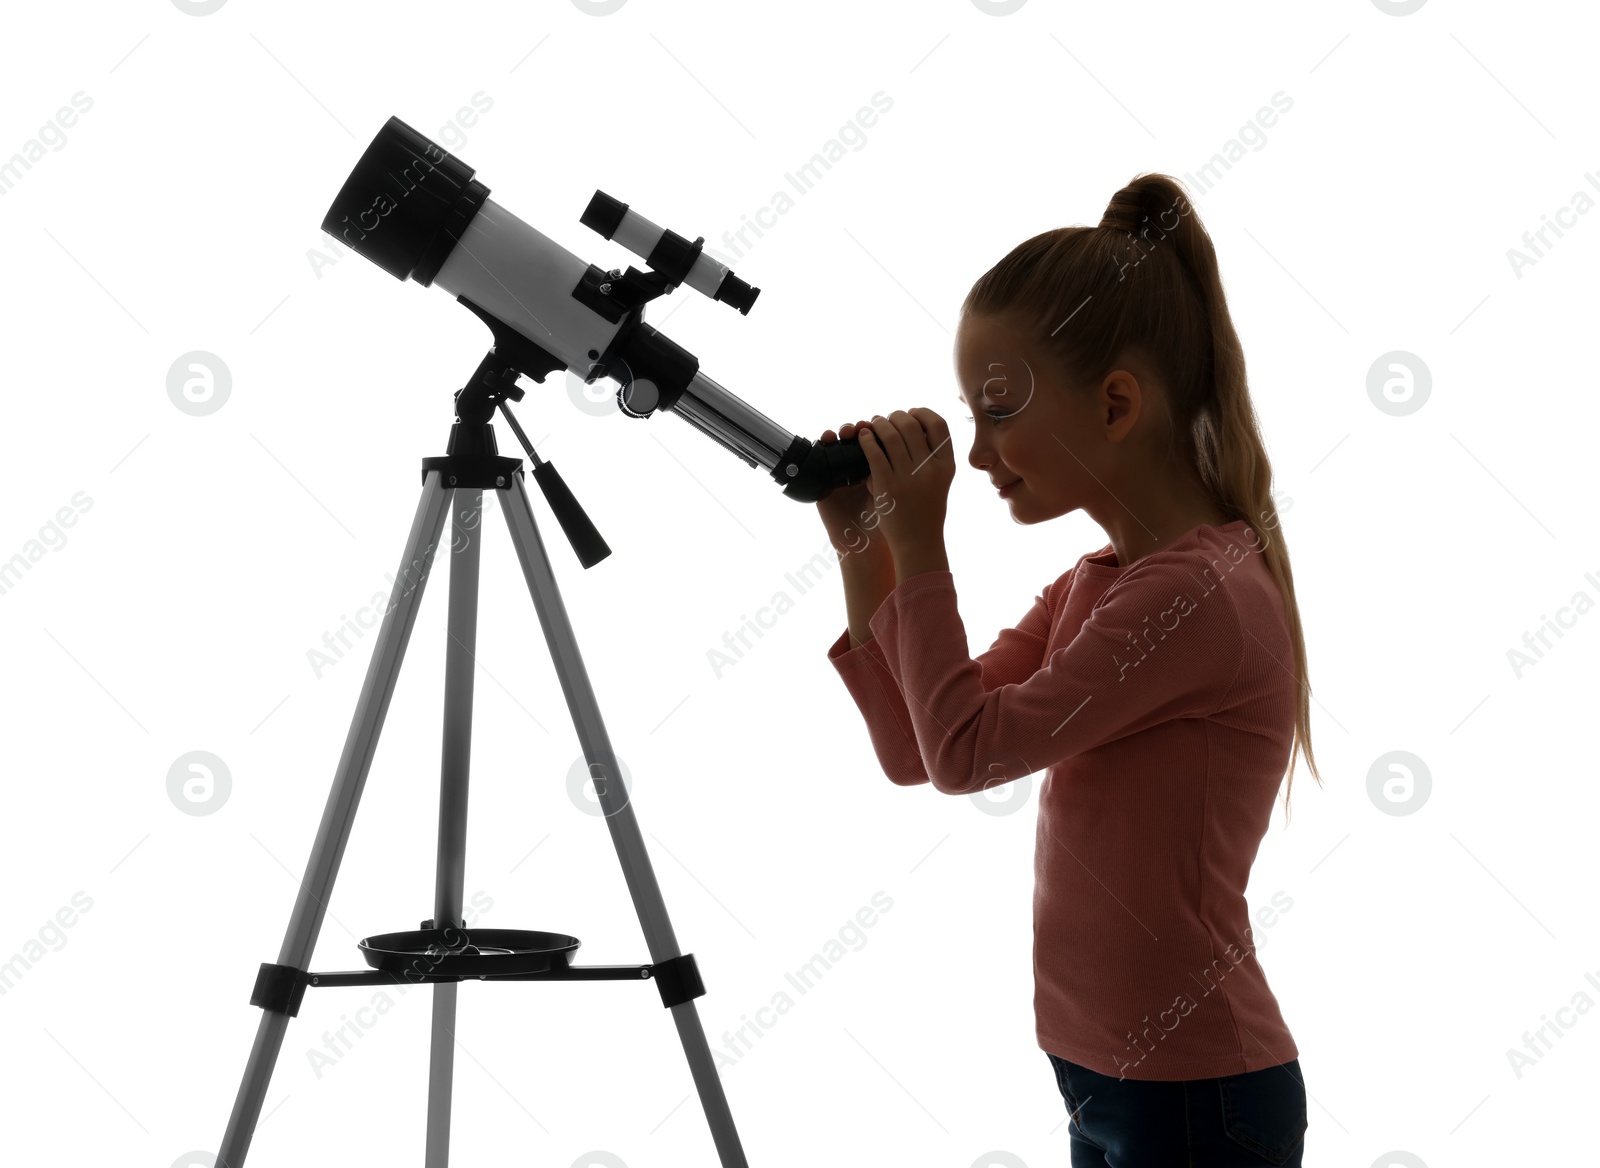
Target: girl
<point x="1160" y="682"/>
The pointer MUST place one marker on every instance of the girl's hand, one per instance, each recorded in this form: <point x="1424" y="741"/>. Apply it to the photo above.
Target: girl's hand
<point x="849" y="514"/>
<point x="913" y="464"/>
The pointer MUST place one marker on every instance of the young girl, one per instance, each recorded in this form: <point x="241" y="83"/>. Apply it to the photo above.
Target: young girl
<point x="1159" y="683"/>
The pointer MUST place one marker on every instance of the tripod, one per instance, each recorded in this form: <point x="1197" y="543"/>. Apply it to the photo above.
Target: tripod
<point x="444" y="952"/>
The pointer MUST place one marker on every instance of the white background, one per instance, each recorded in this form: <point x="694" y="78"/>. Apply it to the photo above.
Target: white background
<point x="181" y="212"/>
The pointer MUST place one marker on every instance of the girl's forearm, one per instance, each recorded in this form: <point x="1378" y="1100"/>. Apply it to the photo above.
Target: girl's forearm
<point x="914" y="559"/>
<point x="868" y="580"/>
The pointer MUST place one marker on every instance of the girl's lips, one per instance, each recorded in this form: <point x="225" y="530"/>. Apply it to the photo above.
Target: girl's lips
<point x="1009" y="487"/>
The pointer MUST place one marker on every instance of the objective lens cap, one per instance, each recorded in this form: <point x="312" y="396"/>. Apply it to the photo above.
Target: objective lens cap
<point x="405" y="204"/>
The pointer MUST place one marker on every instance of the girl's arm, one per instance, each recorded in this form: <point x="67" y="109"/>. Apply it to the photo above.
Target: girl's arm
<point x="867" y="583"/>
<point x="1158" y="646"/>
<point x="867" y="675"/>
<point x="1016" y="654"/>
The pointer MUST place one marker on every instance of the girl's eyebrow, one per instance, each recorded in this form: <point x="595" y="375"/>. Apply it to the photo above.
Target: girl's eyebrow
<point x="964" y="396"/>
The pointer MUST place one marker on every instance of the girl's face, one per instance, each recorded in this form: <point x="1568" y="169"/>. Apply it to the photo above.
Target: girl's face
<point x="1030" y="430"/>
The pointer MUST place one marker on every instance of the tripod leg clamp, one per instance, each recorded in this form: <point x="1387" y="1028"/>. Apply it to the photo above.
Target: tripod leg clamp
<point x="678" y="979"/>
<point x="279" y="988"/>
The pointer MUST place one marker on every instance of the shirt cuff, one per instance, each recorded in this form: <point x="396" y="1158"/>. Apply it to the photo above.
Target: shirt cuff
<point x="843" y="654"/>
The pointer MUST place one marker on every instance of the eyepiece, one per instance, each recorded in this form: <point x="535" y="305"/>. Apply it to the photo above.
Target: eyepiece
<point x="736" y="292"/>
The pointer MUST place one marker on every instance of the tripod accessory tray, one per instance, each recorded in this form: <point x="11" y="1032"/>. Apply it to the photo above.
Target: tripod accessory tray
<point x="457" y="953"/>
<point x="468" y="952"/>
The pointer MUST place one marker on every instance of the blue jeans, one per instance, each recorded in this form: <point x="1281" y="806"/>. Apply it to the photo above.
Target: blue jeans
<point x="1237" y="1121"/>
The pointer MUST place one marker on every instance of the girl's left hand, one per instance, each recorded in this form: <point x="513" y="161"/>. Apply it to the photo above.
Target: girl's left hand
<point x="913" y="464"/>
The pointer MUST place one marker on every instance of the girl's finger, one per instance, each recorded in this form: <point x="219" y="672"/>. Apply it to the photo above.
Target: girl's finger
<point x="934" y="426"/>
<point x="914" y="436"/>
<point x="888" y="435"/>
<point x="877" y="461"/>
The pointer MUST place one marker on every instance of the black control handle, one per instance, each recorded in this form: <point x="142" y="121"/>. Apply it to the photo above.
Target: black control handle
<point x="581" y="533"/>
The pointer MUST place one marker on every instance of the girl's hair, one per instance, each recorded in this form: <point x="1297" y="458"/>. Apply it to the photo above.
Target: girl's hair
<point x="1146" y="279"/>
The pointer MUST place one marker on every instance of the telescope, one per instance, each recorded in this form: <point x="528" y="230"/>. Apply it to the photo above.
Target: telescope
<point x="416" y="211"/>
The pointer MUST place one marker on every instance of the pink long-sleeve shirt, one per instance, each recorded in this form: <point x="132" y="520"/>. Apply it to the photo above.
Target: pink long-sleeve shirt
<point x="1159" y="698"/>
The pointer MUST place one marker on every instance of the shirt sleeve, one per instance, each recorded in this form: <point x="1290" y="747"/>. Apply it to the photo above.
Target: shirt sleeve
<point x="1157" y="646"/>
<point x="1016" y="654"/>
<point x="866" y="674"/>
<point x="1018" y="651"/>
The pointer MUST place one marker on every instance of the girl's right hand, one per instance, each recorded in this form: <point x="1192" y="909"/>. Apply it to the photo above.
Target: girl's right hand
<point x="849" y="513"/>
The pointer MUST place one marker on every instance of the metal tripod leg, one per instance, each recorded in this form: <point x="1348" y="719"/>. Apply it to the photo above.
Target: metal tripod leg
<point x="635" y="861"/>
<point x="338" y="816"/>
<point x="459" y="666"/>
<point x="311" y="903"/>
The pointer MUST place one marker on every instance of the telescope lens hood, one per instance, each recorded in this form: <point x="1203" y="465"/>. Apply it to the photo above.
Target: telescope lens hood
<point x="405" y="204"/>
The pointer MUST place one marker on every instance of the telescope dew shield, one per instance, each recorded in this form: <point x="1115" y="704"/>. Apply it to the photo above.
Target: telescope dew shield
<point x="405" y="204"/>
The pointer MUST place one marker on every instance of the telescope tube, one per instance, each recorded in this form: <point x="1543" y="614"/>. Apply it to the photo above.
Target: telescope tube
<point x="416" y="211"/>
